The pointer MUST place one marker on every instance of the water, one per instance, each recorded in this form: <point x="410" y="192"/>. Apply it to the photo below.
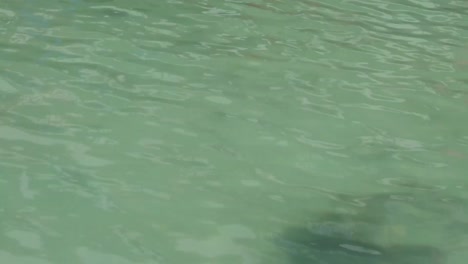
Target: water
<point x="282" y="132"/>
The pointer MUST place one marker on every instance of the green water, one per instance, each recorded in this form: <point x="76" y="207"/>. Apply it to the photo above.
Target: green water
<point x="215" y="131"/>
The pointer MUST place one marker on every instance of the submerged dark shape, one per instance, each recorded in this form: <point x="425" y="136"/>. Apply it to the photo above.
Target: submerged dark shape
<point x="371" y="229"/>
<point x="304" y="246"/>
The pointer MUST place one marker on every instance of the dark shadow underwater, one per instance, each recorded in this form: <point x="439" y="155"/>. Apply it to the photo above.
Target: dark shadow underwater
<point x="341" y="237"/>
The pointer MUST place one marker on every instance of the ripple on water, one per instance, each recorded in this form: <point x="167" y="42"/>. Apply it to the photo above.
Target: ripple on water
<point x="219" y="100"/>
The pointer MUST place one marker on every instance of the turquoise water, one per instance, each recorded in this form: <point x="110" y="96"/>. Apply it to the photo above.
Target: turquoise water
<point x="280" y="132"/>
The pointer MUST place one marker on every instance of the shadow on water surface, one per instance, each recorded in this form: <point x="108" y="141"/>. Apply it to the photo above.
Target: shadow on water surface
<point x="304" y="246"/>
<point x="358" y="235"/>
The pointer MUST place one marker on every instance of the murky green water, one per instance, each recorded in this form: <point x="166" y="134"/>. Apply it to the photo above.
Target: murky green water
<point x="215" y="131"/>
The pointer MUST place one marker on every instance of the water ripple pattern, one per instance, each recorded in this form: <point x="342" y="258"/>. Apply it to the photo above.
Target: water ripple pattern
<point x="233" y="131"/>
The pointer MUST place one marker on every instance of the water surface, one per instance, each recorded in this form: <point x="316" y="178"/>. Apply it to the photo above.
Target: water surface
<point x="282" y="132"/>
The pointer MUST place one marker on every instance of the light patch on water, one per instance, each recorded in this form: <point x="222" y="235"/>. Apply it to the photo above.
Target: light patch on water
<point x="6" y="13"/>
<point x="25" y="188"/>
<point x="6" y="87"/>
<point x="213" y="204"/>
<point x="78" y="151"/>
<point x="277" y="198"/>
<point x="219" y="100"/>
<point x="89" y="256"/>
<point x="221" y="245"/>
<point x="120" y="11"/>
<point x="6" y="257"/>
<point x="250" y="183"/>
<point x="26" y="239"/>
<point x="360" y="249"/>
